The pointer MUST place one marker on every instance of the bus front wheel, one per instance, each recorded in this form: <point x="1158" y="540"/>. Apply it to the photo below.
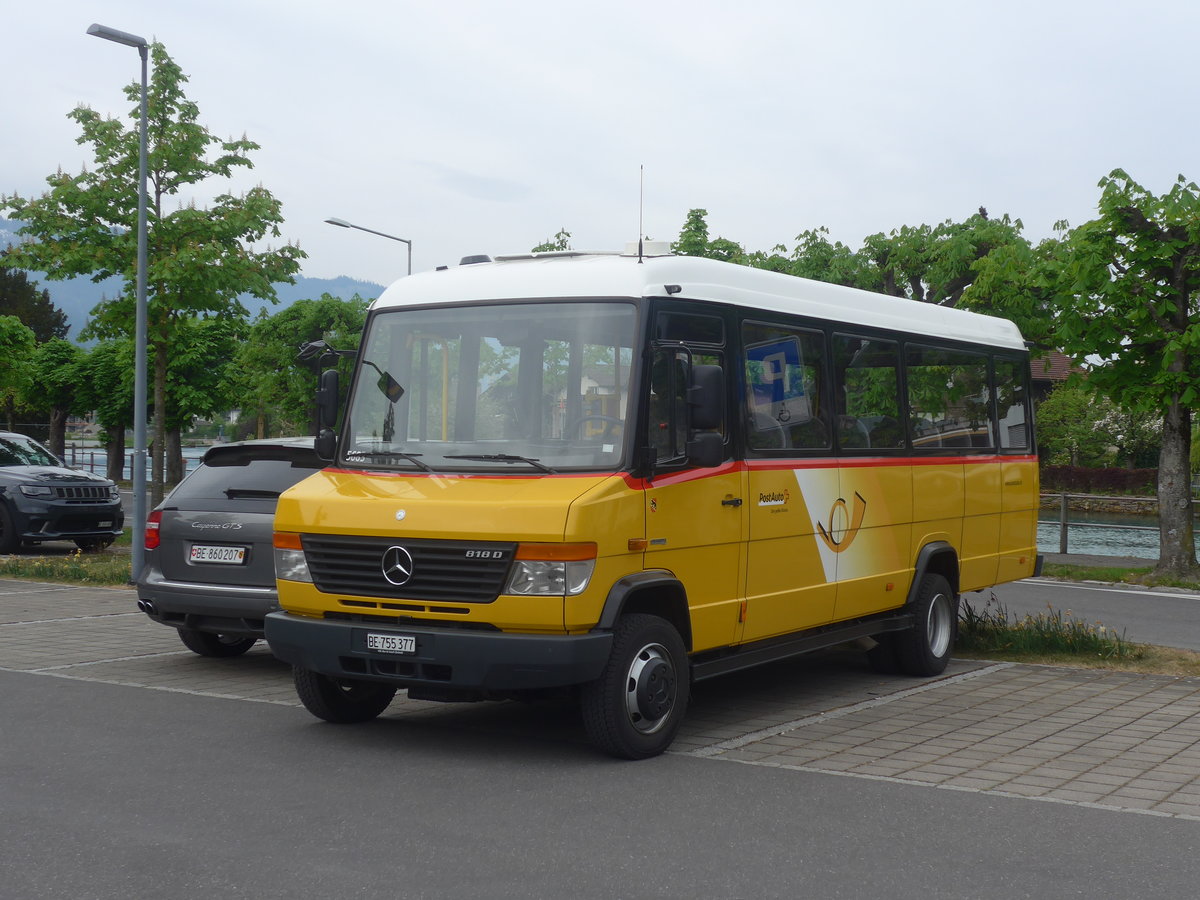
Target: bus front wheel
<point x="635" y="707"/>
<point x="341" y="700"/>
<point x="925" y="648"/>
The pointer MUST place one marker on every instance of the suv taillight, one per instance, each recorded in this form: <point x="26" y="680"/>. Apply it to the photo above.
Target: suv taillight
<point x="153" y="522"/>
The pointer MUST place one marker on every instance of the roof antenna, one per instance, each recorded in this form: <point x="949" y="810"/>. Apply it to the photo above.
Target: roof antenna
<point x="641" y="205"/>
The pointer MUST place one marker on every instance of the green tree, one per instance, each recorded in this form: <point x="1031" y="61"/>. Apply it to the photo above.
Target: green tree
<point x="106" y="387"/>
<point x="1071" y="427"/>
<point x="936" y="264"/>
<point x="202" y="379"/>
<point x="561" y="241"/>
<point x="199" y="259"/>
<point x="274" y="382"/>
<point x="53" y="385"/>
<point x="694" y="241"/>
<point x="1131" y="296"/>
<point x="17" y="344"/>
<point x="20" y="297"/>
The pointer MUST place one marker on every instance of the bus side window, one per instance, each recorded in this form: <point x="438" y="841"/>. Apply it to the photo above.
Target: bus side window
<point x="948" y="399"/>
<point x="1012" y="399"/>
<point x="867" y="393"/>
<point x="785" y="377"/>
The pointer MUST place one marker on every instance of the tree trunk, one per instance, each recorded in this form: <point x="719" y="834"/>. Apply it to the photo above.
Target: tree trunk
<point x="174" y="456"/>
<point x="159" y="437"/>
<point x="57" y="440"/>
<point x="114" y="448"/>
<point x="1177" y="546"/>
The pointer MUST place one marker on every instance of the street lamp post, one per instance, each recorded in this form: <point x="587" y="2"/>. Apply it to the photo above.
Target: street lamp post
<point x="139" y="356"/>
<point x="342" y="223"/>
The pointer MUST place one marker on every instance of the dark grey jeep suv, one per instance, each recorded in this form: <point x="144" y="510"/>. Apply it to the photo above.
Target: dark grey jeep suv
<point x="210" y="569"/>
<point x="43" y="500"/>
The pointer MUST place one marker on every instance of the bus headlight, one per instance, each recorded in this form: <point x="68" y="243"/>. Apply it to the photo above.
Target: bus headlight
<point x="560" y="570"/>
<point x="290" y="564"/>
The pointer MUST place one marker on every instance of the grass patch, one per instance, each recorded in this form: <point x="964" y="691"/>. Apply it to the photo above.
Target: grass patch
<point x="109" y="568"/>
<point x="992" y="629"/>
<point x="1117" y="575"/>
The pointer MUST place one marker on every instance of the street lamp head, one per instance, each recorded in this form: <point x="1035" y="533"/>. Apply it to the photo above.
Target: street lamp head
<point x="120" y="37"/>
<point x="340" y="223"/>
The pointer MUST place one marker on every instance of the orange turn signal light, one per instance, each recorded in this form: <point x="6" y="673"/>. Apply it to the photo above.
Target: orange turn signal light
<point x="558" y="552"/>
<point x="286" y="540"/>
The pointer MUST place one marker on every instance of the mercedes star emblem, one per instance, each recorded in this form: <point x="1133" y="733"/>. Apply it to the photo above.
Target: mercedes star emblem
<point x="397" y="565"/>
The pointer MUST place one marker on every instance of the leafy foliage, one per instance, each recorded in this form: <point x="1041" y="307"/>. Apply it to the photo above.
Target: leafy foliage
<point x="17" y="344"/>
<point x="560" y="241"/>
<point x="199" y="259"/>
<point x="20" y="297"/>
<point x="272" y="379"/>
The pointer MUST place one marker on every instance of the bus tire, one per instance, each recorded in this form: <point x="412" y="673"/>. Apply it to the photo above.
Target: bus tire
<point x="634" y="709"/>
<point x="342" y="701"/>
<point x="925" y="649"/>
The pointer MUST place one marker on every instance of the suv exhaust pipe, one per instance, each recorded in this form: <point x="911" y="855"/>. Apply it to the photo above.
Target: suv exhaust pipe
<point x="146" y="606"/>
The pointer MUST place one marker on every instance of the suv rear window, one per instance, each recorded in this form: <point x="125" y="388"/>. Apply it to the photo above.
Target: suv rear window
<point x="248" y="472"/>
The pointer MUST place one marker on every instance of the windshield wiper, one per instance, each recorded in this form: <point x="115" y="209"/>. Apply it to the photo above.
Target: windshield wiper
<point x="391" y="454"/>
<point x="502" y="457"/>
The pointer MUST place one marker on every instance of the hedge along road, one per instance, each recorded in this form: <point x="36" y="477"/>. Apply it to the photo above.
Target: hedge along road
<point x="131" y="767"/>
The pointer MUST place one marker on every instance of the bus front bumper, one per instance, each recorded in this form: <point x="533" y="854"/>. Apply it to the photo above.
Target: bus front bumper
<point x="442" y="660"/>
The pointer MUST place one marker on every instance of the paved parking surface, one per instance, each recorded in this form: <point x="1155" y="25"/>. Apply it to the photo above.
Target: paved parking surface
<point x="1112" y="740"/>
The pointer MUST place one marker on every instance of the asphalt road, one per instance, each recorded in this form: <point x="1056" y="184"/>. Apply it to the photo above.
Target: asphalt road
<point x="116" y="792"/>
<point x="1167" y="618"/>
<point x="131" y="768"/>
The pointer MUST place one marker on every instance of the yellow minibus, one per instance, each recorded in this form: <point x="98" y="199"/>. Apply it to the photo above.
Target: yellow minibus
<point x="616" y="474"/>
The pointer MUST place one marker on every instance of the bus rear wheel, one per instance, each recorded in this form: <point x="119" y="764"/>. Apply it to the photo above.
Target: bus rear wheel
<point x="342" y="701"/>
<point x="634" y="709"/>
<point x="925" y="649"/>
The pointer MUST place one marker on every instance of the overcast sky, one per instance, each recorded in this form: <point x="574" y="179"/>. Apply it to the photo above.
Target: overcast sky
<point x="484" y="127"/>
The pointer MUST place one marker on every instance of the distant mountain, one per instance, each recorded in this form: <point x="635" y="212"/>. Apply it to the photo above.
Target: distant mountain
<point x="78" y="296"/>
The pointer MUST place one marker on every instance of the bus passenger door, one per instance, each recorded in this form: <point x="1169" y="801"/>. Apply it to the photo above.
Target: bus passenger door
<point x="695" y="516"/>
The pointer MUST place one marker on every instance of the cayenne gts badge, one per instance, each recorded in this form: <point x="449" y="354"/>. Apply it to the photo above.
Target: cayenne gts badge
<point x="397" y="565"/>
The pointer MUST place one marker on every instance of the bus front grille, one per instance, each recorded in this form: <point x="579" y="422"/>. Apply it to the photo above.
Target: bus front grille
<point x="399" y="568"/>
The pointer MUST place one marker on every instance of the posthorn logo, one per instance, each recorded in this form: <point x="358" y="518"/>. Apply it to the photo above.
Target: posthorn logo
<point x="397" y="565"/>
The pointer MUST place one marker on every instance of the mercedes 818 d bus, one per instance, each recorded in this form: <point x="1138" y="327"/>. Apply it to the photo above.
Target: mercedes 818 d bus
<point x="618" y="474"/>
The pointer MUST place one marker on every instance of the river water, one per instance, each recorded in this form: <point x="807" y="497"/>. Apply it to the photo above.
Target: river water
<point x="1134" y="535"/>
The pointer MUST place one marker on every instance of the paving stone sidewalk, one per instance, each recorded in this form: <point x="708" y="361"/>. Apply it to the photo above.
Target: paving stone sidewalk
<point x="1109" y="739"/>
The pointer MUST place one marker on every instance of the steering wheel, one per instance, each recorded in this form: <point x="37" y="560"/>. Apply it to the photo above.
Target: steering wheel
<point x="612" y="426"/>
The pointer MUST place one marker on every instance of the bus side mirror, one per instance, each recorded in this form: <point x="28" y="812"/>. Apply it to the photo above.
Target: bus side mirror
<point x="706" y="413"/>
<point x="327" y="398"/>
<point x="706" y="398"/>
<point x="325" y="445"/>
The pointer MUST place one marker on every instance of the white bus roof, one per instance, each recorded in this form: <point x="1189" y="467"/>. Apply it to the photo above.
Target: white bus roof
<point x="608" y="275"/>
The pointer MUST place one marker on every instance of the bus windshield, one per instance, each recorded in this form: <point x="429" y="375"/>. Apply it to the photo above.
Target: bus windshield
<point x="516" y="387"/>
